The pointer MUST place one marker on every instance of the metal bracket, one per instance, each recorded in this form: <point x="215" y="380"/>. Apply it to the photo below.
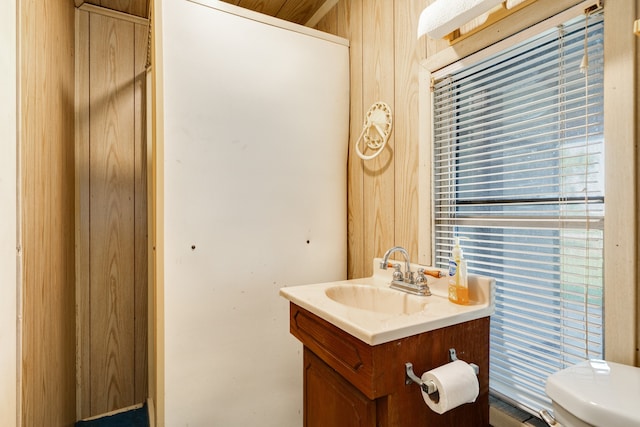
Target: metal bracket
<point x="599" y="4"/>
<point x="428" y="386"/>
<point x="453" y="357"/>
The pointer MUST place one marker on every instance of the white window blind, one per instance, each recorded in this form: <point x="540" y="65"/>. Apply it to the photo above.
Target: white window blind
<point x="518" y="170"/>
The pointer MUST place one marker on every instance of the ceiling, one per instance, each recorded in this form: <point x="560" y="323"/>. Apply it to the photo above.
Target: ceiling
<point x="298" y="11"/>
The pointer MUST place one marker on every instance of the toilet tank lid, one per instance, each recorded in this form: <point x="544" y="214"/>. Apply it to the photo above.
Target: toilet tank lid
<point x="599" y="392"/>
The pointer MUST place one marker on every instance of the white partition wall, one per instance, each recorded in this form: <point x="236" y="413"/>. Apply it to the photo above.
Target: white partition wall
<point x="8" y="223"/>
<point x="255" y="128"/>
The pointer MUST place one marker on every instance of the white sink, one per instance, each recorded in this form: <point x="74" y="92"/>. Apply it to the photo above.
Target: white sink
<point x="376" y="299"/>
<point x="371" y="311"/>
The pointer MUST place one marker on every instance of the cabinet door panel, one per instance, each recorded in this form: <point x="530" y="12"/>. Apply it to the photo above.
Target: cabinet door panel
<point x="330" y="400"/>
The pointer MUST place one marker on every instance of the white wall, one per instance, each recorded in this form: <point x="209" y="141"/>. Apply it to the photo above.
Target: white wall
<point x="8" y="276"/>
<point x="255" y="155"/>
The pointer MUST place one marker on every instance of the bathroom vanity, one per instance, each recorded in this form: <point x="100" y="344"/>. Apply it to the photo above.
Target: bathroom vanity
<point x="354" y="356"/>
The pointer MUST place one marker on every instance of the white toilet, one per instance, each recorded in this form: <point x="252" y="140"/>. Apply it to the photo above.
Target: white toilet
<point x="596" y="393"/>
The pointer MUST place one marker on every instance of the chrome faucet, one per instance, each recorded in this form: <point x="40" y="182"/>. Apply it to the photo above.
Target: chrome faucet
<point x="406" y="282"/>
<point x="408" y="274"/>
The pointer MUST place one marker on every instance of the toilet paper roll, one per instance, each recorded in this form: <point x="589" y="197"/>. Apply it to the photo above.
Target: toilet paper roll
<point x="457" y="384"/>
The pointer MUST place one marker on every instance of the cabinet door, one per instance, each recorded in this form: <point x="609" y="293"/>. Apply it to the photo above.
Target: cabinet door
<point x="330" y="400"/>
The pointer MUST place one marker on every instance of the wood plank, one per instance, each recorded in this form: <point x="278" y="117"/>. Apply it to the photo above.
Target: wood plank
<point x="351" y="13"/>
<point x="345" y="20"/>
<point x="112" y="214"/>
<point x="46" y="216"/>
<point x="83" y="333"/>
<point x="407" y="64"/>
<point x="111" y="123"/>
<point x="378" y="85"/>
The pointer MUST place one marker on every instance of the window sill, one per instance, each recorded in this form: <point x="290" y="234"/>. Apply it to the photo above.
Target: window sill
<point x="501" y="414"/>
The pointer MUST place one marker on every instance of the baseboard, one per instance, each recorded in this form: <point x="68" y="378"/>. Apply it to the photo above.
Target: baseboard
<point x="152" y="412"/>
<point x="117" y="411"/>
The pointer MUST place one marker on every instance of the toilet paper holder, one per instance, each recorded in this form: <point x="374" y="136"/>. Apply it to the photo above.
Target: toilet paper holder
<point x="428" y="386"/>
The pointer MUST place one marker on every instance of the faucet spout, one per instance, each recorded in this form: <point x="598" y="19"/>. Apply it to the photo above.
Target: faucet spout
<point x="407" y="264"/>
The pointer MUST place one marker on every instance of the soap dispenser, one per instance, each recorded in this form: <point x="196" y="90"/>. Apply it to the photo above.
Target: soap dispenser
<point x="458" y="286"/>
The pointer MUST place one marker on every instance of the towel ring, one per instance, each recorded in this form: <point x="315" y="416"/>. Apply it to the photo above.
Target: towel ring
<point x="376" y="130"/>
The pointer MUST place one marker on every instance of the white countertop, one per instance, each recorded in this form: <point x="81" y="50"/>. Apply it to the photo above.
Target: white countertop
<point x="375" y="327"/>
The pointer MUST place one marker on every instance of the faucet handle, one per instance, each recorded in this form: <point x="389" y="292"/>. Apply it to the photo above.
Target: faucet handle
<point x="397" y="274"/>
<point x="422" y="282"/>
<point x="385" y="265"/>
<point x="421" y="278"/>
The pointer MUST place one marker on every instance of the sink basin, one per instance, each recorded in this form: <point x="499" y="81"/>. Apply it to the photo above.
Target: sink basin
<point x="376" y="299"/>
<point x="371" y="311"/>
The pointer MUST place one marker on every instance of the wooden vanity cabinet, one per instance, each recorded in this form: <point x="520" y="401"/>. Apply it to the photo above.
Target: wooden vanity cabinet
<point x="350" y="383"/>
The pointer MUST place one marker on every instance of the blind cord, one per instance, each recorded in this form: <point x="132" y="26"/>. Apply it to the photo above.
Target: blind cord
<point x="584" y="69"/>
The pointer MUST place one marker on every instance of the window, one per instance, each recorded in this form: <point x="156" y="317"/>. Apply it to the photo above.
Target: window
<point x="518" y="170"/>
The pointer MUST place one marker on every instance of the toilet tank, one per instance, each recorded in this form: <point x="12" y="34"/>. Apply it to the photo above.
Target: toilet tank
<point x="598" y="392"/>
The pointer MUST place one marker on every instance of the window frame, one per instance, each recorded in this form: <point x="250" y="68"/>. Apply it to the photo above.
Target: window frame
<point x="620" y="264"/>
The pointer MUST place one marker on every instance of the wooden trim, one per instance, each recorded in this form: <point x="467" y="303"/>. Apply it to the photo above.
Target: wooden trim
<point x="151" y="412"/>
<point x="637" y="94"/>
<point x="507" y="27"/>
<point x="82" y="211"/>
<point x="10" y="255"/>
<point x="141" y="265"/>
<point x="115" y="412"/>
<point x="321" y="12"/>
<point x="621" y="225"/>
<point x="156" y="351"/>
<point x="425" y="204"/>
<point x="113" y="13"/>
<point x="151" y="260"/>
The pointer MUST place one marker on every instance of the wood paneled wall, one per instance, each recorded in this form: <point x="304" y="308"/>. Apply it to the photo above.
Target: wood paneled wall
<point x="385" y="63"/>
<point x="385" y="57"/>
<point x="46" y="134"/>
<point x="112" y="216"/>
